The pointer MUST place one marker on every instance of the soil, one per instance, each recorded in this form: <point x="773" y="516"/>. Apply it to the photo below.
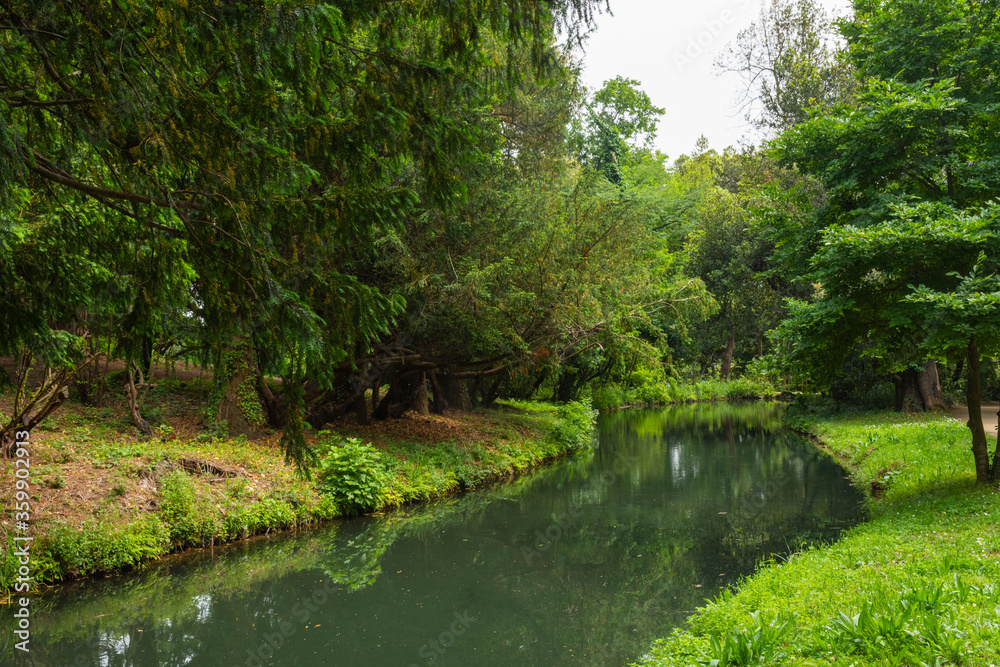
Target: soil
<point x="961" y="413"/>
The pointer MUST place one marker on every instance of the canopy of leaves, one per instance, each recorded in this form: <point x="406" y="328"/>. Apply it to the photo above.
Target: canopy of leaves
<point x="910" y="171"/>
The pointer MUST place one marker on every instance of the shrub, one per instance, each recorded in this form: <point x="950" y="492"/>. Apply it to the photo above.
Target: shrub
<point x="242" y="520"/>
<point x="610" y="396"/>
<point x="761" y="644"/>
<point x="355" y="474"/>
<point x="574" y="426"/>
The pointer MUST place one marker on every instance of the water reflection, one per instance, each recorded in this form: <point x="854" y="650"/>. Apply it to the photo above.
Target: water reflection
<point x="584" y="562"/>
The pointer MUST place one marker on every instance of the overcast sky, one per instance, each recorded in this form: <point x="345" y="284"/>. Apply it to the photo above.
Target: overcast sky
<point x="671" y="47"/>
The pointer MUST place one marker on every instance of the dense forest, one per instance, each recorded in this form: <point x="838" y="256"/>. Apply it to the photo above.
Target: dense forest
<point x="361" y="208"/>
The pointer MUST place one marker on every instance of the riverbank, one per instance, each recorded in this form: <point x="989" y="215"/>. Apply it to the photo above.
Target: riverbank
<point x="670" y="392"/>
<point x="916" y="584"/>
<point x="104" y="500"/>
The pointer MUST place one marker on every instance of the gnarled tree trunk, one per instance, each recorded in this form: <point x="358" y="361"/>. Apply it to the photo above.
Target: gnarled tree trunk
<point x="420" y="401"/>
<point x="456" y="393"/>
<point x="924" y="386"/>
<point x="134" y="393"/>
<point x="33" y="405"/>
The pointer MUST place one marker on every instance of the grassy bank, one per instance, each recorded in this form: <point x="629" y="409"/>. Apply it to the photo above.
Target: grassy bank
<point x="614" y="396"/>
<point x="104" y="500"/>
<point x="918" y="584"/>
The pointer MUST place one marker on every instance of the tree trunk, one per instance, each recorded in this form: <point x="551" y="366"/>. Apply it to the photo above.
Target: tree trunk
<point x="995" y="470"/>
<point x="440" y="403"/>
<point x="239" y="406"/>
<point x="973" y="398"/>
<point x="401" y="395"/>
<point x="135" y="399"/>
<point x="272" y="404"/>
<point x="568" y="386"/>
<point x="929" y="386"/>
<point x="905" y="383"/>
<point x="420" y="401"/>
<point x="727" y="358"/>
<point x="958" y="370"/>
<point x="32" y="406"/>
<point x="456" y="393"/>
<point x="490" y="396"/>
<point x="361" y="410"/>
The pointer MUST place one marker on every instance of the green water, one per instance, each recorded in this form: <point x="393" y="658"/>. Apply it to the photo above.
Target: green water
<point x="581" y="563"/>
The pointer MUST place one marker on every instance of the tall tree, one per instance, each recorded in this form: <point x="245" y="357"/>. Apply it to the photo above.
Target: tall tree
<point x="619" y="124"/>
<point x="265" y="140"/>
<point x="913" y="160"/>
<point x="789" y="61"/>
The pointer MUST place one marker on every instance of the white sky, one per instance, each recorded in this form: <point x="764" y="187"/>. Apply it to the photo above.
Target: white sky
<point x="671" y="48"/>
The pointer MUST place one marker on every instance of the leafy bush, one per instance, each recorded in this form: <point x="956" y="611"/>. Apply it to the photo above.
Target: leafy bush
<point x="575" y="425"/>
<point x="610" y="396"/>
<point x="879" y="396"/>
<point x="749" y="387"/>
<point x="355" y="474"/>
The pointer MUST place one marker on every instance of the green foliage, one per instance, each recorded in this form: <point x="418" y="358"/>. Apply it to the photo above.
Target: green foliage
<point x="610" y="397"/>
<point x="354" y="474"/>
<point x="574" y="427"/>
<point x="198" y="175"/>
<point x="191" y="519"/>
<point x="99" y="546"/>
<point x="193" y="511"/>
<point x="894" y="245"/>
<point x="759" y="644"/>
<point x="240" y="519"/>
<point x="731" y="256"/>
<point x="789" y="62"/>
<point x="620" y="124"/>
<point x="717" y="390"/>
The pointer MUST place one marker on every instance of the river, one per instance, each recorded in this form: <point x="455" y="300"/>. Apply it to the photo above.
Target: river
<point x="584" y="562"/>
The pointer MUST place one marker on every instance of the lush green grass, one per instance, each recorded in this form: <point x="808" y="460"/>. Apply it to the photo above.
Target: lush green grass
<point x="918" y="584"/>
<point x="192" y="510"/>
<point x="613" y="396"/>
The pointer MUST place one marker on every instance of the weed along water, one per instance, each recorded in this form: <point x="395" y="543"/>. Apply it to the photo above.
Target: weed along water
<point x="581" y="563"/>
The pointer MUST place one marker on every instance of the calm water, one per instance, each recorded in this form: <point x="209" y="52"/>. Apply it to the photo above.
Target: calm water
<point x="582" y="563"/>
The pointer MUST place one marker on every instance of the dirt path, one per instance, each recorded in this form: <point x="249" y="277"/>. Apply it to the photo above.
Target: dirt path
<point x="961" y="413"/>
